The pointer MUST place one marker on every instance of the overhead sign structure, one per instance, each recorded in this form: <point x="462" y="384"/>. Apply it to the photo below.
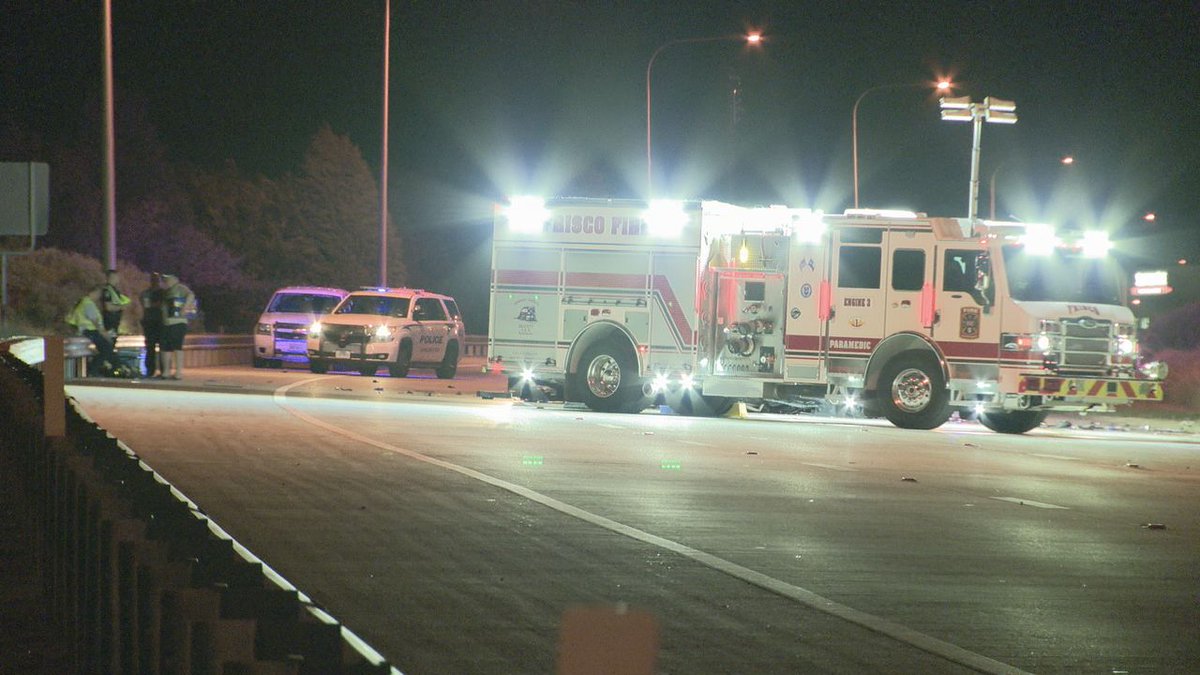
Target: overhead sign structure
<point x="24" y="198"/>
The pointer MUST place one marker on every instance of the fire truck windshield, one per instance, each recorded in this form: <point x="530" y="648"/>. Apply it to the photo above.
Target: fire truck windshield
<point x="1063" y="276"/>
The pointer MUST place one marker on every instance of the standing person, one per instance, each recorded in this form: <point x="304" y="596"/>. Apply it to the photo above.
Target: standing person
<point x="115" y="303"/>
<point x="152" y="323"/>
<point x="89" y="322"/>
<point x="178" y="302"/>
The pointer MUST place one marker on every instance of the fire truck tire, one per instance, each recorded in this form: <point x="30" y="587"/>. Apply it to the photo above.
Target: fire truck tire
<point x="607" y="380"/>
<point x="403" y="361"/>
<point x="693" y="404"/>
<point x="449" y="365"/>
<point x="1013" y="421"/>
<point x="259" y="363"/>
<point x="912" y="393"/>
<point x="318" y="366"/>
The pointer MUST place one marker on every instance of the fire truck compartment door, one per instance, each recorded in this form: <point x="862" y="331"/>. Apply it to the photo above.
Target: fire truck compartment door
<point x="858" y="305"/>
<point x="748" y="336"/>
<point x="965" y="329"/>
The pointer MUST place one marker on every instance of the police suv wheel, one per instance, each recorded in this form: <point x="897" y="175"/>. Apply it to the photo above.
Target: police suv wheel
<point x="403" y="361"/>
<point x="449" y="366"/>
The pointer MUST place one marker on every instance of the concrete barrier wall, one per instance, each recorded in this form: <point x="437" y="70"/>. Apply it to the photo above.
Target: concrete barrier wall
<point x="136" y="577"/>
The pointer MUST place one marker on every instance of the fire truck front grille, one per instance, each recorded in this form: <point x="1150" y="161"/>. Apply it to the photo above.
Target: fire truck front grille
<point x="1086" y="345"/>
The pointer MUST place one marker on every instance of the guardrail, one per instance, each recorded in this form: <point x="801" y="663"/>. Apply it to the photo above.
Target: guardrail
<point x="198" y="350"/>
<point x="137" y="578"/>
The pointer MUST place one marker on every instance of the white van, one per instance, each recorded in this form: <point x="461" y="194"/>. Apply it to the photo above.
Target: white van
<point x="283" y="327"/>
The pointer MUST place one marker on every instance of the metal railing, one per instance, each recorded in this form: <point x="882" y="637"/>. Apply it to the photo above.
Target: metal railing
<point x="135" y="576"/>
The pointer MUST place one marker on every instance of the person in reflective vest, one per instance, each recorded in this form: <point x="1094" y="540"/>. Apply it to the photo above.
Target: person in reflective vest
<point x="179" y="303"/>
<point x="115" y="303"/>
<point x="89" y="322"/>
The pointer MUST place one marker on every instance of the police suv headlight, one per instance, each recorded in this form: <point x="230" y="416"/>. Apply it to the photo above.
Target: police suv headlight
<point x="264" y="329"/>
<point x="382" y="334"/>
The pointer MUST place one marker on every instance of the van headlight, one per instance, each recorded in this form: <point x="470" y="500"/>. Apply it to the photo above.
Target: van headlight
<point x="314" y="330"/>
<point x="264" y="328"/>
<point x="1154" y="370"/>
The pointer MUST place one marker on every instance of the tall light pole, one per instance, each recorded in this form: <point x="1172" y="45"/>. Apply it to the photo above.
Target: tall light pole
<point x="752" y="38"/>
<point x="942" y="85"/>
<point x="963" y="109"/>
<point x="110" y="170"/>
<point x="1065" y="161"/>
<point x="383" y="164"/>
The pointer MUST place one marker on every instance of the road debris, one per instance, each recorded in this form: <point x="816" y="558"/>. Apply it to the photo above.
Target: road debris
<point x="1154" y="526"/>
<point x="908" y="479"/>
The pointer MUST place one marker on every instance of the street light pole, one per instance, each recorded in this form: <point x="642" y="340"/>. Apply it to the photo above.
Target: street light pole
<point x="383" y="164"/>
<point x="110" y="170"/>
<point x="942" y="85"/>
<point x="752" y="38"/>
<point x="993" y="110"/>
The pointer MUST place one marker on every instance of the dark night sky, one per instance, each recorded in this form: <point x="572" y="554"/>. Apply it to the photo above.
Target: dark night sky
<point x="504" y="97"/>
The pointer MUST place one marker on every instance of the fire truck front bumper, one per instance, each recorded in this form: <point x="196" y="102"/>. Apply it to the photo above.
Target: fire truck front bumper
<point x="1089" y="390"/>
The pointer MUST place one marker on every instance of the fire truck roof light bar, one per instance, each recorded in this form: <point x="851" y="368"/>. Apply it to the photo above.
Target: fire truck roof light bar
<point x="1040" y="239"/>
<point x="526" y="214"/>
<point x="665" y="218"/>
<point x="1095" y="244"/>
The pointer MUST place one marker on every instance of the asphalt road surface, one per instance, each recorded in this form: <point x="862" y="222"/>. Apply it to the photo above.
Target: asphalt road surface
<point x="452" y="532"/>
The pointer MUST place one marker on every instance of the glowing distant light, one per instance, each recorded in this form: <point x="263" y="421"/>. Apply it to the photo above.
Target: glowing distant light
<point x="944" y="85"/>
<point x="1068" y="160"/>
<point x="1095" y="244"/>
<point x="754" y="38"/>
<point x="527" y="214"/>
<point x="744" y="253"/>
<point x="1149" y="217"/>
<point x="1182" y="261"/>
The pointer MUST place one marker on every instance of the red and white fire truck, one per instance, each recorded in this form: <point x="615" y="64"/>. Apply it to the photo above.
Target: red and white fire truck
<point x="697" y="305"/>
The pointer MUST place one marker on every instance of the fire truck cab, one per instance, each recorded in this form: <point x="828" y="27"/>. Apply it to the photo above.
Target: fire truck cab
<point x="623" y="304"/>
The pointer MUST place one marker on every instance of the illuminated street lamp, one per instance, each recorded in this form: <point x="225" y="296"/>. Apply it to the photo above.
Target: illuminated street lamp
<point x="942" y="85"/>
<point x="1065" y="161"/>
<point x="992" y="110"/>
<point x="751" y="39"/>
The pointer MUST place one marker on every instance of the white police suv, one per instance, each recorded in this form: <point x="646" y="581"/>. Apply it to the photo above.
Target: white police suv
<point x="400" y="328"/>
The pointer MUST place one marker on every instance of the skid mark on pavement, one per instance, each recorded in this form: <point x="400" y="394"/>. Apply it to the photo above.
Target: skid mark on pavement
<point x="904" y="634"/>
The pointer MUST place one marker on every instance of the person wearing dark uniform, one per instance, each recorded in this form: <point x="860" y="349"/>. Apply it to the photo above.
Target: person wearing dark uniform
<point x="152" y="323"/>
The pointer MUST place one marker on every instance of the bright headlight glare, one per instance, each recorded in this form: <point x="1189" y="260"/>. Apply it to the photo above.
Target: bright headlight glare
<point x="686" y="382"/>
<point x="527" y="375"/>
<point x="315" y="329"/>
<point x="264" y="329"/>
<point x="1126" y="346"/>
<point x="383" y="333"/>
<point x="660" y="382"/>
<point x="1043" y="342"/>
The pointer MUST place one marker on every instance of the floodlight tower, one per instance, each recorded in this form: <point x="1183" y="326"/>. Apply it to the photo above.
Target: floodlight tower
<point x="992" y="110"/>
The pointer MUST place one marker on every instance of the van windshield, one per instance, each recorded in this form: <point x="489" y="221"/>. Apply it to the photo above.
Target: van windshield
<point x="1063" y="276"/>
<point x="303" y="303"/>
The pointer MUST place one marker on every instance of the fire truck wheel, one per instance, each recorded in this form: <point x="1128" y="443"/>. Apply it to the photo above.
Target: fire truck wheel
<point x="693" y="404"/>
<point x="607" y="380"/>
<point x="912" y="393"/>
<point x="318" y="366"/>
<point x="403" y="361"/>
<point x="449" y="365"/>
<point x="1013" y="421"/>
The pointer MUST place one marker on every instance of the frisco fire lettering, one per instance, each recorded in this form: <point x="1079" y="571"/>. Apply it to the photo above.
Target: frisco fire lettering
<point x="617" y="226"/>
